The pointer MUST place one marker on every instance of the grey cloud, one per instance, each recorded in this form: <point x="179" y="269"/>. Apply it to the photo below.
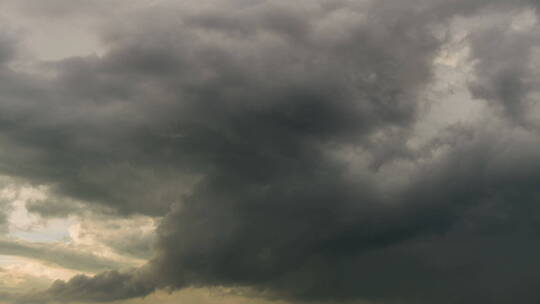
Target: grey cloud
<point x="4" y="207"/>
<point x="227" y="122"/>
<point x="106" y="286"/>
<point x="55" y="207"/>
<point x="505" y="73"/>
<point x="137" y="244"/>
<point x="58" y="255"/>
<point x="7" y="51"/>
<point x="128" y="237"/>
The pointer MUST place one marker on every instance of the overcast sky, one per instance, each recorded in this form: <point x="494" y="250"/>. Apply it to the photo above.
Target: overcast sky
<point x="269" y="151"/>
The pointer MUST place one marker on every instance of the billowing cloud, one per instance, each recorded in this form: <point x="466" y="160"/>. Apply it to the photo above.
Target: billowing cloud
<point x="274" y="141"/>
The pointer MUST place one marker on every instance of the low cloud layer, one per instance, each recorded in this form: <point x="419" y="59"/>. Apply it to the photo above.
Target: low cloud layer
<point x="278" y="145"/>
<point x="57" y="254"/>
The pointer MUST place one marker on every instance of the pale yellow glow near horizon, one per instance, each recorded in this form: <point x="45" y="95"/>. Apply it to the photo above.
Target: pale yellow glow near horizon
<point x="199" y="296"/>
<point x="76" y="234"/>
<point x="21" y="274"/>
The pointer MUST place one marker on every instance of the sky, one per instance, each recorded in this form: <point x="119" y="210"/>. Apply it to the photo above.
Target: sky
<point x="269" y="151"/>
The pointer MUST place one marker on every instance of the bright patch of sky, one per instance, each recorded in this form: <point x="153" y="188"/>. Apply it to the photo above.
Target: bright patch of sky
<point x="26" y="274"/>
<point x="77" y="39"/>
<point x="30" y="227"/>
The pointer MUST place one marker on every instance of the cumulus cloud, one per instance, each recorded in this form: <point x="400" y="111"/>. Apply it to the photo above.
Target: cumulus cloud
<point x="266" y="134"/>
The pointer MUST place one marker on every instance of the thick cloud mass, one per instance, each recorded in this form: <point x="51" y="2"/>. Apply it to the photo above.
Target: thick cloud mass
<point x="268" y="136"/>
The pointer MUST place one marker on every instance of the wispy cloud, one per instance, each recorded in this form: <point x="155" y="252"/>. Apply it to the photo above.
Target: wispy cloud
<point x="60" y="255"/>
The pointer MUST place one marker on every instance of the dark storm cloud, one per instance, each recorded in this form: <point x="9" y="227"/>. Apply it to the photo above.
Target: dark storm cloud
<point x="168" y="104"/>
<point x="483" y="195"/>
<point x="232" y="122"/>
